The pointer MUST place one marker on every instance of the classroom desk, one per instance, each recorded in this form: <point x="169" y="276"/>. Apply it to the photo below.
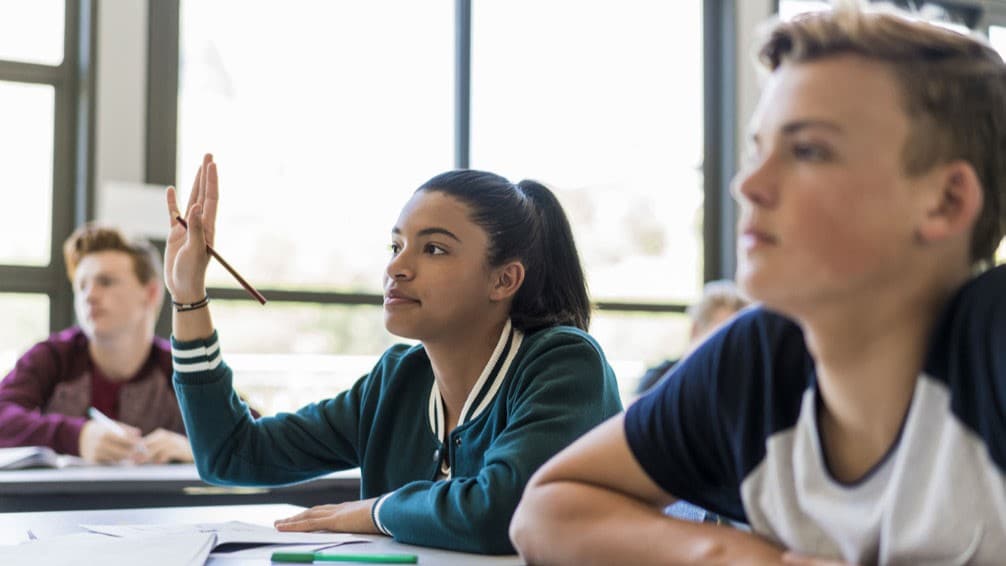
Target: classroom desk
<point x="121" y="487"/>
<point x="14" y="527"/>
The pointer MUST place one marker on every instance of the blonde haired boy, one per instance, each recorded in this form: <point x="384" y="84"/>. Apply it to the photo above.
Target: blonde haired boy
<point x="860" y="414"/>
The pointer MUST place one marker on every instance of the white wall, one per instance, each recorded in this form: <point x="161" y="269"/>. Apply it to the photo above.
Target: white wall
<point x="751" y="14"/>
<point x="120" y="121"/>
<point x="121" y="106"/>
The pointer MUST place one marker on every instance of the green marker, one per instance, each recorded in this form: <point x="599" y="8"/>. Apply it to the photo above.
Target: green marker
<point x="308" y="557"/>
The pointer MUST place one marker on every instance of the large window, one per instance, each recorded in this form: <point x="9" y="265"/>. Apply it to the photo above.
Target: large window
<point x="608" y="112"/>
<point x="323" y="131"/>
<point x="37" y="99"/>
<point x="790" y="8"/>
<point x="958" y="15"/>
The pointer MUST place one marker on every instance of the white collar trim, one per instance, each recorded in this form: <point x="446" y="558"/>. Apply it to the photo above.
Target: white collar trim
<point x="436" y="412"/>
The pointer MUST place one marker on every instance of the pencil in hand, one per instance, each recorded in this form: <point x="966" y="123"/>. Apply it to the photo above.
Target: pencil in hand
<point x="251" y="290"/>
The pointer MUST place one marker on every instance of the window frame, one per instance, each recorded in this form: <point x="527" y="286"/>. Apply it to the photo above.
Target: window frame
<point x="73" y="136"/>
<point x="719" y="164"/>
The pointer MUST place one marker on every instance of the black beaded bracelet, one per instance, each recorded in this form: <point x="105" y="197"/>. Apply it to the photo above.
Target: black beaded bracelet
<point x="182" y="307"/>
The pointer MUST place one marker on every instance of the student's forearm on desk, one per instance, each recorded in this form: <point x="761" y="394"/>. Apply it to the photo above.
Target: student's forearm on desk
<point x="21" y="426"/>
<point x="576" y="523"/>
<point x="192" y="325"/>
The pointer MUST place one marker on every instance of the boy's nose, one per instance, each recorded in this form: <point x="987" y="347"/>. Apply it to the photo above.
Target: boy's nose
<point x="755" y="184"/>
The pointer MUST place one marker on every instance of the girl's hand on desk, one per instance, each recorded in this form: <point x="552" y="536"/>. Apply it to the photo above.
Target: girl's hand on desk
<point x="164" y="446"/>
<point x="349" y="517"/>
<point x="185" y="255"/>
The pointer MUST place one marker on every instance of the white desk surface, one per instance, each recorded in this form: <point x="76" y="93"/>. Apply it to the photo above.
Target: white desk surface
<point x="141" y="473"/>
<point x="115" y="487"/>
<point x="14" y="528"/>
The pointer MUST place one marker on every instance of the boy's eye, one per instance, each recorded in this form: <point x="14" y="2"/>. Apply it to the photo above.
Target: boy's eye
<point x="810" y="152"/>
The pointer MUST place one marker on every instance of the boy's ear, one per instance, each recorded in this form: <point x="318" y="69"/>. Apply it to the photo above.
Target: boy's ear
<point x="507" y="280"/>
<point x="154" y="290"/>
<point x="953" y="204"/>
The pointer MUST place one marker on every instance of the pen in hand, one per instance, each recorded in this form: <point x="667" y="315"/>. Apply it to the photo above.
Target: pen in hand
<point x="251" y="290"/>
<point x="106" y="422"/>
<point x="111" y="425"/>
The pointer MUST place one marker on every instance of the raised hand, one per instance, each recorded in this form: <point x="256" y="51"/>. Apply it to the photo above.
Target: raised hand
<point x="185" y="255"/>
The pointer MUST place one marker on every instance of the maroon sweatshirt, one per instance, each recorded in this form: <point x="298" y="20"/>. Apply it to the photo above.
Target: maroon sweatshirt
<point x="44" y="399"/>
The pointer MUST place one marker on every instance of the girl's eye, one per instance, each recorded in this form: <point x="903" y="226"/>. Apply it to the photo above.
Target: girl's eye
<point x="434" y="249"/>
<point x="395" y="248"/>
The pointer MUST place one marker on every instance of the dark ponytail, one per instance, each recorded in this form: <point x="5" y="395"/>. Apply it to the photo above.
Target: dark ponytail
<point x="525" y="222"/>
<point x="560" y="289"/>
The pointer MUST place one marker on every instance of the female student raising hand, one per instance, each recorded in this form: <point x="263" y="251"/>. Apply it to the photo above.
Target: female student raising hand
<point x="485" y="274"/>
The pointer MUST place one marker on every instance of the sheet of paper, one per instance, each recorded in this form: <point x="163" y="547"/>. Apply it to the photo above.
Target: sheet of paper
<point x="265" y="552"/>
<point x="189" y="549"/>
<point x="227" y="533"/>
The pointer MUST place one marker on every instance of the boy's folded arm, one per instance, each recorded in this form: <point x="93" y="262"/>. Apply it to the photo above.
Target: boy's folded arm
<point x="594" y="504"/>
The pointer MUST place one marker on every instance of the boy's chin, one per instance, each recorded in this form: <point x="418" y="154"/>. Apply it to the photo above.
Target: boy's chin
<point x="772" y="295"/>
<point x="751" y="286"/>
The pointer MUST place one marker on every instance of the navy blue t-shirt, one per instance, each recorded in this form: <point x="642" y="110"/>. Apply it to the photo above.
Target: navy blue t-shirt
<point x="734" y="429"/>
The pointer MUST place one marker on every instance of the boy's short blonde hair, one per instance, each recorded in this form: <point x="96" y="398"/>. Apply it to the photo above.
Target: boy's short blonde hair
<point x="92" y="238"/>
<point x="953" y="88"/>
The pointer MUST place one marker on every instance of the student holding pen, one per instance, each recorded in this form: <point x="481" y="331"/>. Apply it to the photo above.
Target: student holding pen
<point x="111" y="361"/>
<point x="485" y="274"/>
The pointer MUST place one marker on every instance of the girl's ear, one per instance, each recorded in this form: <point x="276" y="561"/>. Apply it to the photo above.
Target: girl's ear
<point x="506" y="281"/>
<point x="953" y="204"/>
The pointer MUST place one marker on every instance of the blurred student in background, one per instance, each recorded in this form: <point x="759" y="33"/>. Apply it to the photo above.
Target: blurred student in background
<point x="719" y="303"/>
<point x="112" y="361"/>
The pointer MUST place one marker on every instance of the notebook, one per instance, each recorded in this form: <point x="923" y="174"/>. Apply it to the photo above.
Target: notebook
<point x="185" y="549"/>
<point x="23" y="457"/>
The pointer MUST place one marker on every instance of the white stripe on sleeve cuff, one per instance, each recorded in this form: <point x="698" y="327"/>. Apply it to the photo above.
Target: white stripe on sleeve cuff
<point x="196" y="359"/>
<point x="376" y="514"/>
<point x="197" y="352"/>
<point x="196" y="367"/>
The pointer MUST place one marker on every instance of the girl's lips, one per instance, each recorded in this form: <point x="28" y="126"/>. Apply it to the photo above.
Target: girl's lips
<point x="391" y="301"/>
<point x="396" y="297"/>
